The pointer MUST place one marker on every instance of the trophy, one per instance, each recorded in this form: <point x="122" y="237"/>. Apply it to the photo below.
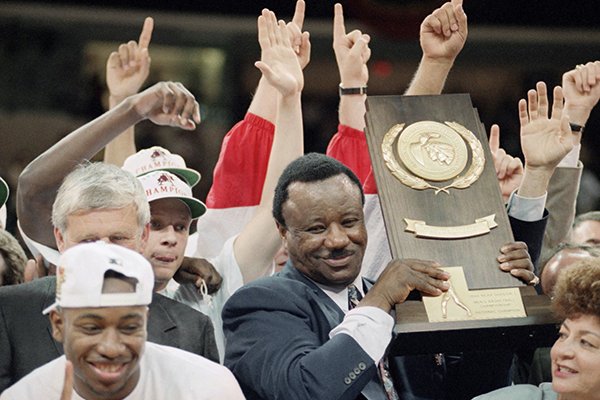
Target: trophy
<point x="441" y="201"/>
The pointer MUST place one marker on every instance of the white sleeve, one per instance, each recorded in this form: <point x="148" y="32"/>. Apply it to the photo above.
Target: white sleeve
<point x="526" y="208"/>
<point x="371" y="327"/>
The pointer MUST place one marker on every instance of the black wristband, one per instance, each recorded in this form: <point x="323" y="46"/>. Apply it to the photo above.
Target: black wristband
<point x="353" y="90"/>
<point x="576" y="127"/>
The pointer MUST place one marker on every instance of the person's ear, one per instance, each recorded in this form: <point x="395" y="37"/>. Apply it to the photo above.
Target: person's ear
<point x="60" y="240"/>
<point x="58" y="324"/>
<point x="282" y="232"/>
<point x="144" y="237"/>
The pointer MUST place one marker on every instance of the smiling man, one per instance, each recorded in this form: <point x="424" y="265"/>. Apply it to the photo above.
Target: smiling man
<point x="100" y="317"/>
<point x="300" y="322"/>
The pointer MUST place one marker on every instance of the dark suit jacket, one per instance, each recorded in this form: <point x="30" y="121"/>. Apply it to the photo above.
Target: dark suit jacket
<point x="278" y="345"/>
<point x="26" y="335"/>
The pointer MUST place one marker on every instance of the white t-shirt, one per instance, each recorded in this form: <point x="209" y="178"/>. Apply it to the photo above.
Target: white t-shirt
<point x="166" y="373"/>
<point x="188" y="294"/>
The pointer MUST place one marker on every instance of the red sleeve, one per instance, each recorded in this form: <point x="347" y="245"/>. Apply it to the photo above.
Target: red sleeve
<point x="240" y="172"/>
<point x="349" y="146"/>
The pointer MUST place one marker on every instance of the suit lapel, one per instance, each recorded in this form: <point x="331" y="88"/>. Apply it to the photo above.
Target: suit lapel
<point x="160" y="321"/>
<point x="331" y="310"/>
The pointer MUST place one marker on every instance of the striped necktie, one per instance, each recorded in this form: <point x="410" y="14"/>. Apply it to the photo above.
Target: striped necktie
<point x="354" y="297"/>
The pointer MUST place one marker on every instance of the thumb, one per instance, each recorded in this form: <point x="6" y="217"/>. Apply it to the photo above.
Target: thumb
<point x="304" y="49"/>
<point x="67" y="391"/>
<point x="265" y="70"/>
<point x="30" y="272"/>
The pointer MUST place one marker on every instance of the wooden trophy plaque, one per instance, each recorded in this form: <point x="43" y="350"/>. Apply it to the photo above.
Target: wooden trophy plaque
<point x="441" y="201"/>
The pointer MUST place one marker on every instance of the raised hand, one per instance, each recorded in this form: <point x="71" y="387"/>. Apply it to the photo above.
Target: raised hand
<point x="128" y="68"/>
<point x="278" y="64"/>
<point x="352" y="52"/>
<point x="168" y="103"/>
<point x="299" y="40"/>
<point x="509" y="169"/>
<point x="400" y="277"/>
<point x="581" y="88"/>
<point x="544" y="141"/>
<point x="515" y="260"/>
<point x="444" y="32"/>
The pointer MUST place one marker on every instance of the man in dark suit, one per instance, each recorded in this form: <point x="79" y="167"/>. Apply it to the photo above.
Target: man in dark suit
<point x="300" y="334"/>
<point x="287" y="335"/>
<point x="95" y="202"/>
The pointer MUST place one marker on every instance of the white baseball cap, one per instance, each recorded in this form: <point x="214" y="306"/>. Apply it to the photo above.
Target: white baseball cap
<point x="158" y="158"/>
<point x="164" y="185"/>
<point x="3" y="192"/>
<point x="81" y="272"/>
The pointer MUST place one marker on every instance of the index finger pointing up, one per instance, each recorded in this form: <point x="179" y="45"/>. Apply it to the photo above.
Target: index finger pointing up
<point x="339" y="30"/>
<point x="494" y="138"/>
<point x="298" y="18"/>
<point x="146" y="34"/>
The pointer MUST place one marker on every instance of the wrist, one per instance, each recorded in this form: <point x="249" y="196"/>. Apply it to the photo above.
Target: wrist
<point x="577" y="114"/>
<point x="375" y="300"/>
<point x="113" y="100"/>
<point x="535" y="181"/>
<point x="130" y="107"/>
<point x="439" y="62"/>
<point x="352" y="81"/>
<point x="291" y="99"/>
<point x="344" y="90"/>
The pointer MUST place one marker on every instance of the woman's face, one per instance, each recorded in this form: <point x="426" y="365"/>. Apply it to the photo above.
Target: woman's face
<point x="576" y="358"/>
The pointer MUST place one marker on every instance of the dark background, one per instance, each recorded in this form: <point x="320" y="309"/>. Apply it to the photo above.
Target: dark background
<point x="51" y="83"/>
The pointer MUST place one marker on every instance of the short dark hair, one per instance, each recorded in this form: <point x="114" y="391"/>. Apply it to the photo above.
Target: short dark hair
<point x="588" y="216"/>
<point x="311" y="167"/>
<point x="577" y="290"/>
<point x="110" y="273"/>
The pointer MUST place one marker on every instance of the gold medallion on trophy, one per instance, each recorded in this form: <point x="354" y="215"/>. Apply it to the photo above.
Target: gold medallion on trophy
<point x="432" y="151"/>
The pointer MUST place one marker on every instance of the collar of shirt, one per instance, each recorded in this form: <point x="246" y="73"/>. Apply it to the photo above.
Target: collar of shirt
<point x="340" y="297"/>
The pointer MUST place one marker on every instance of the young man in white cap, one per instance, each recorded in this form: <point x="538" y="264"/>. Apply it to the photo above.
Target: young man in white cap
<point x="172" y="210"/>
<point x="156" y="158"/>
<point x="100" y="315"/>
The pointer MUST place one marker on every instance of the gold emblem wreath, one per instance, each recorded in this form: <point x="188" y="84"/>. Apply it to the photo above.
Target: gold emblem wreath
<point x="415" y="182"/>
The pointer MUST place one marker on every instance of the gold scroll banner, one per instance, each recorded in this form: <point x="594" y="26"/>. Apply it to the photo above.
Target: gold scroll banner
<point x="480" y="227"/>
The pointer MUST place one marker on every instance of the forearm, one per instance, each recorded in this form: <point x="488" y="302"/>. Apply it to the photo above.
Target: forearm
<point x="121" y="147"/>
<point x="261" y="232"/>
<point x="40" y="180"/>
<point x="535" y="182"/>
<point x="562" y="197"/>
<point x="352" y="111"/>
<point x="430" y="77"/>
<point x="264" y="102"/>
